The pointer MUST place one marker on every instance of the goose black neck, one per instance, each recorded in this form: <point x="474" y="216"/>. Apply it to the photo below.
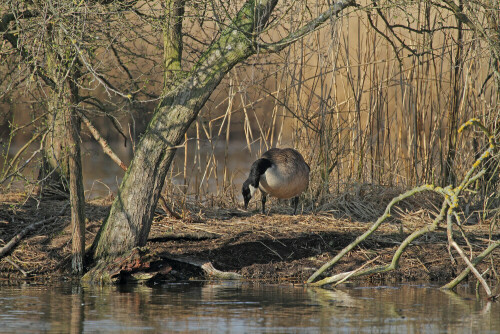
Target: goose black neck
<point x="258" y="168"/>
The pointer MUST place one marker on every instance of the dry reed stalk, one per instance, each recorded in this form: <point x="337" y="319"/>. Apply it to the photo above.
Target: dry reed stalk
<point x="228" y="132"/>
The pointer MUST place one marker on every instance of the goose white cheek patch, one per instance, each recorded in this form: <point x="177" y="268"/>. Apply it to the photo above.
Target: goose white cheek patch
<point x="252" y="190"/>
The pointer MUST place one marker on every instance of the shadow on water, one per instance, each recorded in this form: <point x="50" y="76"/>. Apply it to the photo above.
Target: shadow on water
<point x="215" y="307"/>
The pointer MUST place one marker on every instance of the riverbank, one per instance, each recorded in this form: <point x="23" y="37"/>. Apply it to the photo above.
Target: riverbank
<point x="277" y="247"/>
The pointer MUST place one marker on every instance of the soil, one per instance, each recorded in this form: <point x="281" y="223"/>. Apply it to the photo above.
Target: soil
<point x="277" y="247"/>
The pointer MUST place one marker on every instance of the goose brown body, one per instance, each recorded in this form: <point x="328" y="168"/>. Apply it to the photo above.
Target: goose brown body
<point x="281" y="173"/>
<point x="288" y="175"/>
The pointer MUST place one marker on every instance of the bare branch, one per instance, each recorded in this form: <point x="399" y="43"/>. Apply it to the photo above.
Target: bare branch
<point x="335" y="9"/>
<point x="104" y="144"/>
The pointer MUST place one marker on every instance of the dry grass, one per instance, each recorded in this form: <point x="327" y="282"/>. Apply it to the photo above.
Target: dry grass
<point x="359" y="112"/>
<point x="274" y="247"/>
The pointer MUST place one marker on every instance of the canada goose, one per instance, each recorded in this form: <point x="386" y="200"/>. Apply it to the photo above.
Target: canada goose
<point x="281" y="173"/>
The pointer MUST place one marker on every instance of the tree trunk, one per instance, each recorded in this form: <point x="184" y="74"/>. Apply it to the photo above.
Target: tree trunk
<point x="172" y="41"/>
<point x="53" y="174"/>
<point x="76" y="190"/>
<point x="131" y="214"/>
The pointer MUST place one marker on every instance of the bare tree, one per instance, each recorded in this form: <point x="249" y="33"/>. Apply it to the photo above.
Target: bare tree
<point x="51" y="49"/>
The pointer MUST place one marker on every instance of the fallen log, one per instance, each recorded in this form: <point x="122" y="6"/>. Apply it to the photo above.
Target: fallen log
<point x="206" y="266"/>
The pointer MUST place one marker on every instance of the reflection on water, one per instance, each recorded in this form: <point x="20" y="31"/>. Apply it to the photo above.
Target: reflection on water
<point x="243" y="308"/>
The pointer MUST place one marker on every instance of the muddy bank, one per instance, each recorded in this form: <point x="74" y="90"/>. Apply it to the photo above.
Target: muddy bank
<point x="277" y="247"/>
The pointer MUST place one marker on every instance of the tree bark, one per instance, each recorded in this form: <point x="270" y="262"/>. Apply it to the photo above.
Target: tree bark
<point x="172" y="41"/>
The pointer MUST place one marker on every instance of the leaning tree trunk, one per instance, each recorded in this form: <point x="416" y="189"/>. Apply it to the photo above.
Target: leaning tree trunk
<point x="131" y="214"/>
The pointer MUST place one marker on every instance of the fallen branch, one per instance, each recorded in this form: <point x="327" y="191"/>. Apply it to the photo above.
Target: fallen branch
<point x="365" y="235"/>
<point x="395" y="259"/>
<point x="5" y="249"/>
<point x="104" y="144"/>
<point x="15" y="265"/>
<point x="472" y="268"/>
<point x="474" y="262"/>
<point x="207" y="268"/>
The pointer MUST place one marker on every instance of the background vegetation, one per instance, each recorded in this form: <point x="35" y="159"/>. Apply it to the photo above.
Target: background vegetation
<point x="376" y="97"/>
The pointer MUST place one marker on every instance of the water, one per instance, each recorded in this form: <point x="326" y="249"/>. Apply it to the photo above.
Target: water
<point x="207" y="307"/>
<point x="102" y="176"/>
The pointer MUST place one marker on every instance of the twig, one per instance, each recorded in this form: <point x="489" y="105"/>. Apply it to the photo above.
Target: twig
<point x="272" y="250"/>
<point x="472" y="268"/>
<point x="18" y="154"/>
<point x="15" y="265"/>
<point x="335" y="9"/>
<point x="168" y="209"/>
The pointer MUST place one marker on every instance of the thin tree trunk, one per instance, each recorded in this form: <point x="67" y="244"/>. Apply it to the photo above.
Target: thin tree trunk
<point x="76" y="190"/>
